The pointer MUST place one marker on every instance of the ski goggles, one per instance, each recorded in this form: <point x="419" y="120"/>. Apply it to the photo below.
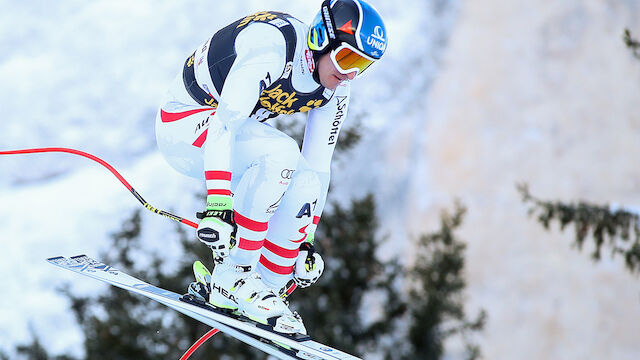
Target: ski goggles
<point x="348" y="59"/>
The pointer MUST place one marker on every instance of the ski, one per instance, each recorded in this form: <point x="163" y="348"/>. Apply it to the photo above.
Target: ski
<point x="282" y="346"/>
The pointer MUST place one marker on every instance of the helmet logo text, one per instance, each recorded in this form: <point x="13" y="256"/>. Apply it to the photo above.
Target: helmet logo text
<point x="377" y="39"/>
<point x="327" y="20"/>
<point x="378" y="33"/>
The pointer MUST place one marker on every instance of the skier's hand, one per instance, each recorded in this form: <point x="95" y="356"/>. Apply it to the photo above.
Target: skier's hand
<point x="217" y="230"/>
<point x="308" y="267"/>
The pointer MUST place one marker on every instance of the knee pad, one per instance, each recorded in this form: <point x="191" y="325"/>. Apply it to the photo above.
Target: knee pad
<point x="305" y="188"/>
<point x="288" y="228"/>
<point x="296" y="209"/>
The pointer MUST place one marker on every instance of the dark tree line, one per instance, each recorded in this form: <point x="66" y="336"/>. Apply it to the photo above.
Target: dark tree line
<point x="121" y="325"/>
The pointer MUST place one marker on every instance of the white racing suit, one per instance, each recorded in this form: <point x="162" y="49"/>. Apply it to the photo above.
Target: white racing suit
<point x="211" y="126"/>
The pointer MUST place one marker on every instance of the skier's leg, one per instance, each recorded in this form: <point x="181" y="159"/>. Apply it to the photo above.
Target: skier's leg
<point x="261" y="151"/>
<point x="181" y="126"/>
<point x="288" y="228"/>
<point x="263" y="158"/>
<point x="257" y="192"/>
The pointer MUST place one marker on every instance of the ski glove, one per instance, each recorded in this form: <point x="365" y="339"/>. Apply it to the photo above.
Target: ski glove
<point x="308" y="267"/>
<point x="217" y="229"/>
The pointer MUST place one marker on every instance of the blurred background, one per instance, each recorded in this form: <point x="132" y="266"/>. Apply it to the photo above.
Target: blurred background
<point x="471" y="99"/>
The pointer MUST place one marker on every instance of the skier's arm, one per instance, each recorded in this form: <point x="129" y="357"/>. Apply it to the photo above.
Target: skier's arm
<point x="260" y="49"/>
<point x="320" y="138"/>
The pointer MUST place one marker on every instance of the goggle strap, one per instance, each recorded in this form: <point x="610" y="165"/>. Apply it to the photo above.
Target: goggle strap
<point x="328" y="19"/>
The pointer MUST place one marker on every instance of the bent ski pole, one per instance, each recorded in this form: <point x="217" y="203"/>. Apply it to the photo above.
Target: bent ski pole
<point x="113" y="171"/>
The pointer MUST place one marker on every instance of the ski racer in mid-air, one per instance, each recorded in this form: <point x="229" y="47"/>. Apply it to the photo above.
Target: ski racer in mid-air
<point x="264" y="195"/>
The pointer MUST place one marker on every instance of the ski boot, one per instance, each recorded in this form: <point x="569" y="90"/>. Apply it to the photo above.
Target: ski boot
<point x="240" y="289"/>
<point x="200" y="288"/>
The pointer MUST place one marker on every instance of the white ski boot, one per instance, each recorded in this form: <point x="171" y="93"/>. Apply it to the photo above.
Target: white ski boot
<point x="240" y="288"/>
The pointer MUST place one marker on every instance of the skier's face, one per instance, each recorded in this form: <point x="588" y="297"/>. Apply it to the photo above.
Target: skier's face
<point x="329" y="76"/>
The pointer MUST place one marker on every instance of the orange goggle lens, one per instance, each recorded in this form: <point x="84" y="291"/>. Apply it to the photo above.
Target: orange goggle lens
<point x="347" y="60"/>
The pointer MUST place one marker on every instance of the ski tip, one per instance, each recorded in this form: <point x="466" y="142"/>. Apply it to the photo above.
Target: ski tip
<point x="55" y="258"/>
<point x="79" y="256"/>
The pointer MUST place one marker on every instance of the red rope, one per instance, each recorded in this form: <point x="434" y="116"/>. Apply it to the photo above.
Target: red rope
<point x="197" y="344"/>
<point x="110" y="168"/>
<point x="75" y="152"/>
<point x="115" y="172"/>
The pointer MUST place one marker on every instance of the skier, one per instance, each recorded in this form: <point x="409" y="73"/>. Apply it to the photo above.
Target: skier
<point x="265" y="196"/>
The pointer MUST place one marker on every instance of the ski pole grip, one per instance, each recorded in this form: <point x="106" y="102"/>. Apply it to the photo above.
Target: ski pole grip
<point x="309" y="248"/>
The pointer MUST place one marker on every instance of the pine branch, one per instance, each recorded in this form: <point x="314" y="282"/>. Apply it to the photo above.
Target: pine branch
<point x="619" y="229"/>
<point x="436" y="303"/>
<point x="632" y="43"/>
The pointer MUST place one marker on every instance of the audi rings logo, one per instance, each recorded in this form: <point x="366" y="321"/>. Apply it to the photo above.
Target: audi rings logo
<point x="287" y="173"/>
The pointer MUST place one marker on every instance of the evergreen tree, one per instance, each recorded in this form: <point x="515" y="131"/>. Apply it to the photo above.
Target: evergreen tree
<point x="118" y="324"/>
<point x="122" y="325"/>
<point x="631" y="43"/>
<point x="332" y="307"/>
<point x="620" y="227"/>
<point x="436" y="303"/>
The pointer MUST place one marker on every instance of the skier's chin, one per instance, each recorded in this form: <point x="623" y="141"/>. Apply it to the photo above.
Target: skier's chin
<point x="334" y="82"/>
